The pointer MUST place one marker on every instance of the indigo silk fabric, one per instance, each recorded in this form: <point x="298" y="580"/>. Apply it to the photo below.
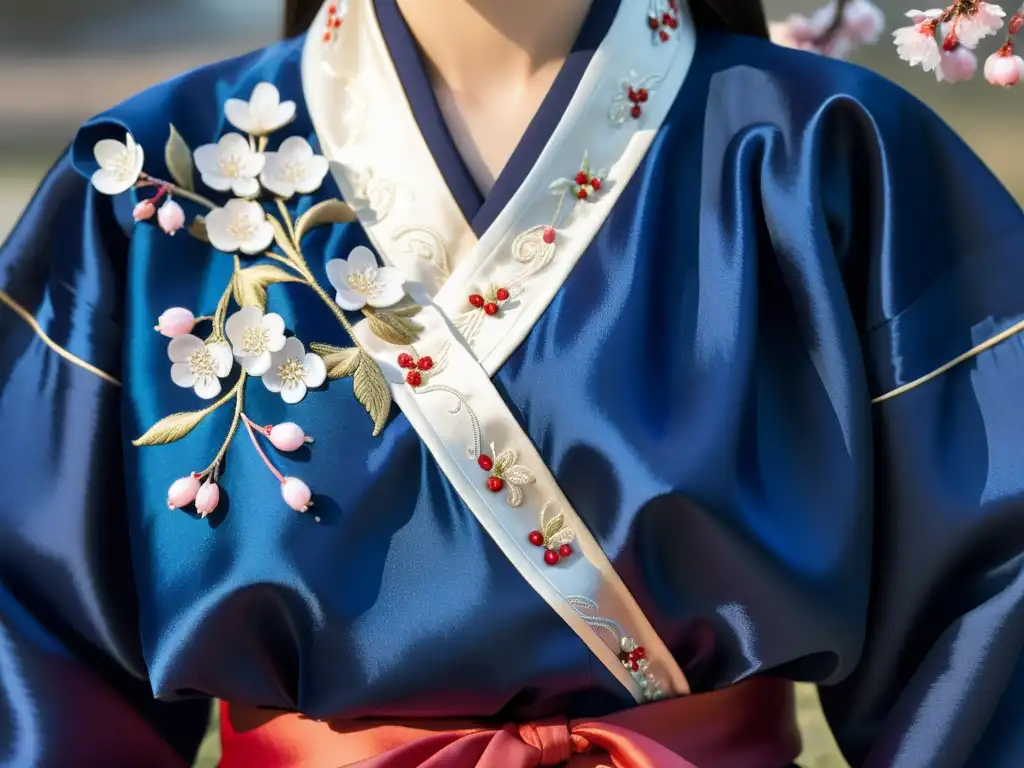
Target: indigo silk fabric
<point x="802" y="236"/>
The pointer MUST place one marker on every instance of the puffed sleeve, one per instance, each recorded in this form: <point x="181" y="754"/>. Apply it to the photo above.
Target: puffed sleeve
<point x="933" y="253"/>
<point x="73" y="687"/>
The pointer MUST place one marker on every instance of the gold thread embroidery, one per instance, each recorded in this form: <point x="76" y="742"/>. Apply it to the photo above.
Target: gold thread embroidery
<point x="972" y="352"/>
<point x="25" y="315"/>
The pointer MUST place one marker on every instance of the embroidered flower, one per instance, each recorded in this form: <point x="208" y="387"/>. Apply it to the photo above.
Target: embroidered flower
<point x="1003" y="67"/>
<point x="584" y="185"/>
<point x="254" y="336"/>
<point x="916" y="44"/>
<point x="359" y="281"/>
<point x="293" y="168"/>
<point x="230" y="164"/>
<point x="554" y="536"/>
<point x="120" y="165"/>
<point x="293" y="370"/>
<point x="199" y="364"/>
<point x="241" y="225"/>
<point x="632" y="93"/>
<point x="491" y="300"/>
<point x="983" y="20"/>
<point x="264" y="112"/>
<point x="505" y="473"/>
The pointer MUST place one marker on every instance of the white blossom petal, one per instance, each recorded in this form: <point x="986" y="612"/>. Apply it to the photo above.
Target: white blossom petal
<point x="235" y="327"/>
<point x="257" y="365"/>
<point x="180" y="348"/>
<point x="338" y="271"/>
<point x="262" y="237"/>
<point x="361" y="258"/>
<point x="316" y="370"/>
<point x="223" y="360"/>
<point x="109" y="183"/>
<point x="108" y="152"/>
<point x="245" y="187"/>
<point x="272" y="380"/>
<point x="316" y="170"/>
<point x="181" y="374"/>
<point x="207" y="387"/>
<point x="349" y="300"/>
<point x="294" y="392"/>
<point x="237" y="113"/>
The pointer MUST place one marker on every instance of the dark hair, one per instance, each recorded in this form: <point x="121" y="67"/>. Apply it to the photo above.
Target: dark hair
<point x="743" y="16"/>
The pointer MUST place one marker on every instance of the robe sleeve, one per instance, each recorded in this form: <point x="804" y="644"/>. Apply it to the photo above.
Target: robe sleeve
<point x="932" y="249"/>
<point x="73" y="687"/>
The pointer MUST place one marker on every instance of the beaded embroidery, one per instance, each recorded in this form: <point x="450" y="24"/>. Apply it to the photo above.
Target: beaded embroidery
<point x="632" y="93"/>
<point x="554" y="535"/>
<point x="506" y="474"/>
<point x="663" y="19"/>
<point x="420" y="372"/>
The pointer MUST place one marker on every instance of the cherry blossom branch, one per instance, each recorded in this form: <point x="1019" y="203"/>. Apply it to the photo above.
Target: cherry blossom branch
<point x="238" y="393"/>
<point x="151" y="181"/>
<point x="259" y="450"/>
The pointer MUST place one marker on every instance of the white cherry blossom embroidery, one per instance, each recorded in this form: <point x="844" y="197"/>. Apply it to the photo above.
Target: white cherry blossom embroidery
<point x="120" y="165"/>
<point x="293" y="168"/>
<point x="241" y="225"/>
<point x="293" y="370"/>
<point x="632" y="655"/>
<point x="360" y="282"/>
<point x="554" y="535"/>
<point x="198" y="364"/>
<point x="374" y="192"/>
<point x="506" y="474"/>
<point x="264" y="112"/>
<point x="632" y="93"/>
<point x="254" y="336"/>
<point x="230" y="165"/>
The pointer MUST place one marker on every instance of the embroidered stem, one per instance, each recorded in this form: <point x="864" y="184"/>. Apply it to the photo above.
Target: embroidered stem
<point x="287" y="219"/>
<point x="259" y="450"/>
<point x="283" y="260"/>
<point x="237" y="392"/>
<point x="174" y="189"/>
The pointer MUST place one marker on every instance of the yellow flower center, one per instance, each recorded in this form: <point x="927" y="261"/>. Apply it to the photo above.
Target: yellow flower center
<point x="363" y="282"/>
<point x="124" y="165"/>
<point x="291" y="371"/>
<point x="201" y="364"/>
<point x="241" y="229"/>
<point x="231" y="166"/>
<point x="293" y="172"/>
<point x="255" y="340"/>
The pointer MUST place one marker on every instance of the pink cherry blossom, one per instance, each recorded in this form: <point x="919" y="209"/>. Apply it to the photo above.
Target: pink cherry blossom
<point x="176" y="321"/>
<point x="144" y="210"/>
<point x="296" y="494"/>
<point x="171" y="217"/>
<point x="863" y="22"/>
<point x="207" y="498"/>
<point x="917" y="45"/>
<point x="986" y="19"/>
<point x="288" y="436"/>
<point x="183" y="491"/>
<point x="956" y="65"/>
<point x="1004" y="67"/>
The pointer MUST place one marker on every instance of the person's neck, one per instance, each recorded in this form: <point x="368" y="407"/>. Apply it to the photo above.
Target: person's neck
<point x="473" y="44"/>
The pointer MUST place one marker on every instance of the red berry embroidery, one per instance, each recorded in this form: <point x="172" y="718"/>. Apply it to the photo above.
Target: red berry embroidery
<point x="549" y="235"/>
<point x="476" y="300"/>
<point x="425" y="363"/>
<point x="663" y="35"/>
<point x="652" y="22"/>
<point x="668" y="19"/>
<point x="501" y="294"/>
<point x="581" y="178"/>
<point x="565" y="550"/>
<point x="551" y="557"/>
<point x="486" y="462"/>
<point x="581" y="194"/>
<point x="495" y="484"/>
<point x="415" y="378"/>
<point x="536" y="538"/>
<point x="632" y="658"/>
<point x="636" y="112"/>
<point x="491" y="308"/>
<point x="405" y="361"/>
<point x="595" y="184"/>
<point x="642" y="95"/>
<point x="327" y="37"/>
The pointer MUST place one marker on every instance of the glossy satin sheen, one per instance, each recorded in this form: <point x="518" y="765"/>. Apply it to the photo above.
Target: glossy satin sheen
<point x="801" y="236"/>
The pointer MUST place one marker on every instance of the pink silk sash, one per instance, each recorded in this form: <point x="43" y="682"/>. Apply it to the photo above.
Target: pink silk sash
<point x="748" y="725"/>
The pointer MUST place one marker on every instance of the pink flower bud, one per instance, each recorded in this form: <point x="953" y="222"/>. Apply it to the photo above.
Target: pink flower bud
<point x="296" y="494"/>
<point x="1016" y="22"/>
<point x="288" y="436"/>
<point x="956" y="65"/>
<point x="1004" y="68"/>
<point x="171" y="217"/>
<point x="207" y="498"/>
<point x="144" y="210"/>
<point x="182" y="492"/>
<point x="176" y="321"/>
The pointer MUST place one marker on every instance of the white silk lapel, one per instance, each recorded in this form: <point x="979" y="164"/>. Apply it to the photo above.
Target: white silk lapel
<point x="501" y="284"/>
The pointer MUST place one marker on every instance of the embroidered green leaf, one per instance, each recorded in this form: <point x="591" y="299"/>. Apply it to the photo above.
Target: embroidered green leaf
<point x="198" y="229"/>
<point x="249" y="285"/>
<point x="178" y="158"/>
<point x="326" y="212"/>
<point x="503" y="461"/>
<point x="283" y="241"/>
<point x="553" y="526"/>
<point x="394" y="326"/>
<point x="171" y="428"/>
<point x="340" y="361"/>
<point x="371" y="389"/>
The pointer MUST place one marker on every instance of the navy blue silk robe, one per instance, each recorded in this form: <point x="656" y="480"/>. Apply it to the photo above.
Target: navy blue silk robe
<point x="801" y="237"/>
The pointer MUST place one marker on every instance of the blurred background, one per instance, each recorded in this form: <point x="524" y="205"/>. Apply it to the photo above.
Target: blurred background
<point x="61" y="62"/>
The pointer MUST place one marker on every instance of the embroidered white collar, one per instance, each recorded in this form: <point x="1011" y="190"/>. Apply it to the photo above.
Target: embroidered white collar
<point x="493" y="290"/>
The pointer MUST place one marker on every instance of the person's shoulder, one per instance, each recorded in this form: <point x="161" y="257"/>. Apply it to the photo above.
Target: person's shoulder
<point x="193" y="102"/>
